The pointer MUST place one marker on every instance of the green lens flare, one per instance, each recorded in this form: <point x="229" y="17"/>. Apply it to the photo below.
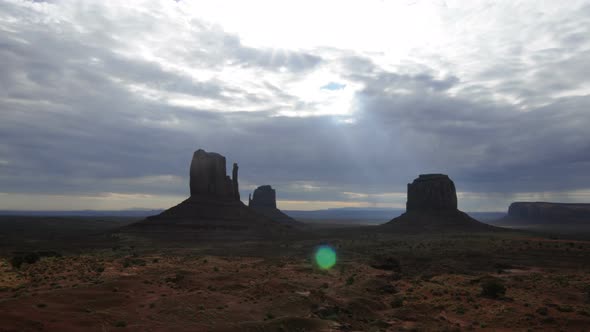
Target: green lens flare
<point x="325" y="257"/>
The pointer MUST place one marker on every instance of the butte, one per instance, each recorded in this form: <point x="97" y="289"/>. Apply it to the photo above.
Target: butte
<point x="213" y="211"/>
<point x="264" y="201"/>
<point x="432" y="206"/>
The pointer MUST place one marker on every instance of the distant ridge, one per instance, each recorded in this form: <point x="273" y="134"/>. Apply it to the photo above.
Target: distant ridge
<point x="546" y="213"/>
<point x="140" y="213"/>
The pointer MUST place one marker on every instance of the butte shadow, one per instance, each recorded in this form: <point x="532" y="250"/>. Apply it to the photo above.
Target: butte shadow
<point x="213" y="211"/>
<point x="432" y="207"/>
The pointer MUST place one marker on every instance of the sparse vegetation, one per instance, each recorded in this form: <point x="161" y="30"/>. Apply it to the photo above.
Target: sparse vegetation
<point x="397" y="302"/>
<point x="493" y="288"/>
<point x="350" y="281"/>
<point x="441" y="285"/>
<point x="543" y="311"/>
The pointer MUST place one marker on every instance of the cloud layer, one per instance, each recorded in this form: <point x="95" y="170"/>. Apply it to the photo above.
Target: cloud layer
<point x="106" y="102"/>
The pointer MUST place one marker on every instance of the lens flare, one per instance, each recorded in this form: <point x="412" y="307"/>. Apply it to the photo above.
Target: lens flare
<point x="325" y="257"/>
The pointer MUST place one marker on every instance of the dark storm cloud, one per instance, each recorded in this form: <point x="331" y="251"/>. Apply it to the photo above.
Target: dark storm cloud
<point x="491" y="145"/>
<point x="71" y="122"/>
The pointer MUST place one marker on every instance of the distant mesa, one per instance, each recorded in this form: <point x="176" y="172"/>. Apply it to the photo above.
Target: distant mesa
<point x="213" y="210"/>
<point x="264" y="201"/>
<point x="432" y="206"/>
<point x="548" y="213"/>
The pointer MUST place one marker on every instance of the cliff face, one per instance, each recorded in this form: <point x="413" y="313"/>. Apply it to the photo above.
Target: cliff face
<point x="263" y="197"/>
<point x="264" y="201"/>
<point x="212" y="212"/>
<point x="208" y="176"/>
<point x="545" y="212"/>
<point x="432" y="207"/>
<point x="431" y="192"/>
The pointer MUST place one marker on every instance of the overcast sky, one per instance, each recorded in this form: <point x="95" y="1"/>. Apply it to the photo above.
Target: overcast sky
<point x="333" y="103"/>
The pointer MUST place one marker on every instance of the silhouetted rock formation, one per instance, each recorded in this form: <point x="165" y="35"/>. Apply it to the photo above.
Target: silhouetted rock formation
<point x="235" y="186"/>
<point x="264" y="201"/>
<point x="264" y="197"/>
<point x="431" y="192"/>
<point x="213" y="211"/>
<point x="548" y="213"/>
<point x="432" y="206"/>
<point x="208" y="176"/>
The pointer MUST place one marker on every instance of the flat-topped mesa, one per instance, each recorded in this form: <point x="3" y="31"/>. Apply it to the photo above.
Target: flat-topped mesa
<point x="431" y="192"/>
<point x="547" y="212"/>
<point x="263" y="197"/>
<point x="208" y="176"/>
<point x="432" y="207"/>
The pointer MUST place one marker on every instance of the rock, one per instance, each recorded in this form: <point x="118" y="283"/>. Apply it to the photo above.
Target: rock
<point x="431" y="192"/>
<point x="545" y="212"/>
<point x="208" y="176"/>
<point x="264" y="197"/>
<point x="236" y="188"/>
<point x="432" y="207"/>
<point x="213" y="212"/>
<point x="264" y="201"/>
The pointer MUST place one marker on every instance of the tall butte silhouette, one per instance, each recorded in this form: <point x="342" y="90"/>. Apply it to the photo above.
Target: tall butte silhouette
<point x="213" y="210"/>
<point x="432" y="206"/>
<point x="264" y="201"/>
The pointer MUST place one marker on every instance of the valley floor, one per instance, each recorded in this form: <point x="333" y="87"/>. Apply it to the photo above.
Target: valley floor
<point x="437" y="285"/>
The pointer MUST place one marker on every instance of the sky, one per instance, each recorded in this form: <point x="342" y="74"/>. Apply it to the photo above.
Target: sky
<point x="333" y="103"/>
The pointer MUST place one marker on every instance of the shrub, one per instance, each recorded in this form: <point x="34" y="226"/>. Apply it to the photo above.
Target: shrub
<point x="17" y="261"/>
<point x="30" y="258"/>
<point x="397" y="302"/>
<point x="565" y="308"/>
<point x="493" y="288"/>
<point x="387" y="264"/>
<point x="350" y="281"/>
<point x="543" y="311"/>
<point x="133" y="261"/>
<point x="121" y="324"/>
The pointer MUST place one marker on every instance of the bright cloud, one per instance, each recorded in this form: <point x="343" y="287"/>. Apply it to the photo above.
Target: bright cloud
<point x="333" y="103"/>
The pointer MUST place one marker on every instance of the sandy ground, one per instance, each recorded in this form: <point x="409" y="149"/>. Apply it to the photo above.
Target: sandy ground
<point x="186" y="291"/>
